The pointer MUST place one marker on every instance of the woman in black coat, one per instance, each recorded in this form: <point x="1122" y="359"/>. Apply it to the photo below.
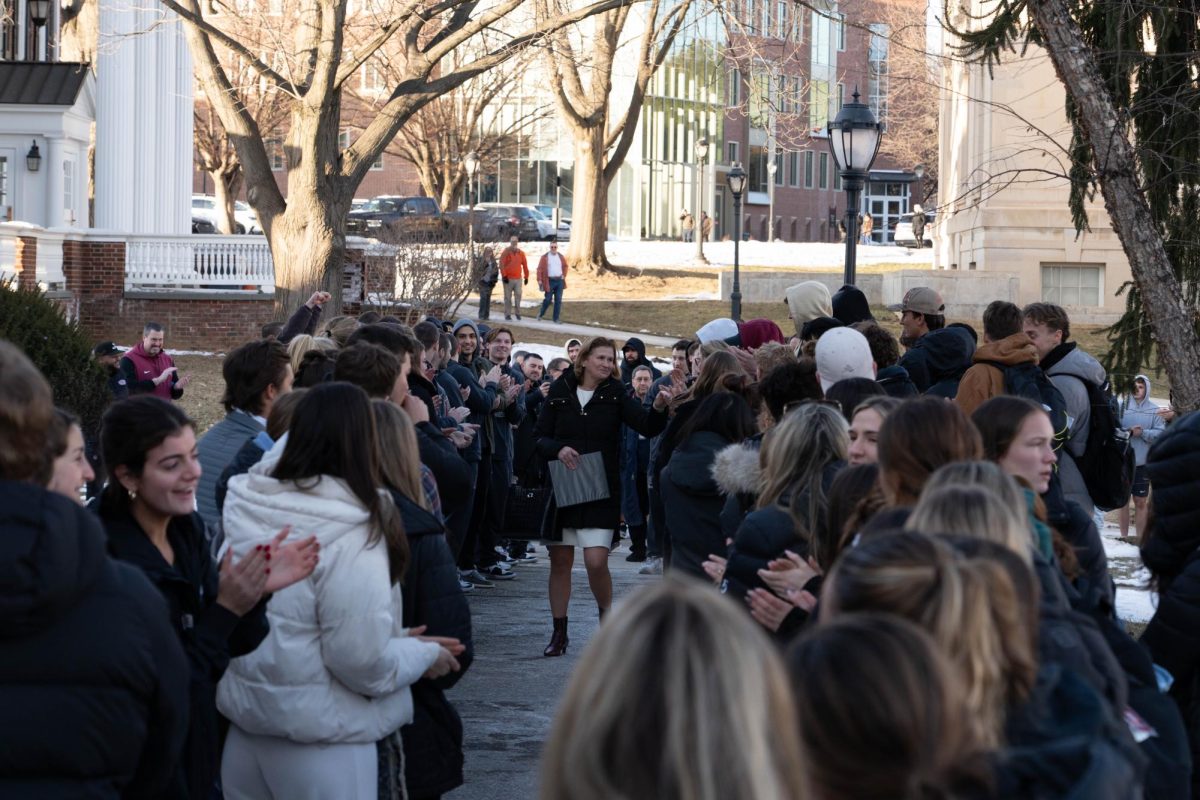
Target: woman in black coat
<point x="218" y="613"/>
<point x="583" y="413"/>
<point x="692" y="500"/>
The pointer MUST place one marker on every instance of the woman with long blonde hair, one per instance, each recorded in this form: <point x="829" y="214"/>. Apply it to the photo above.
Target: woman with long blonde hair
<point x="678" y="697"/>
<point x="799" y="458"/>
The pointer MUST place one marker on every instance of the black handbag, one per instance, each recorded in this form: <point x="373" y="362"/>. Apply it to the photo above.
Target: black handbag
<point x="525" y="512"/>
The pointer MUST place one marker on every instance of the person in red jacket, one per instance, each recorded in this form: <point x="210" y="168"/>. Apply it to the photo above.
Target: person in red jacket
<point x="552" y="279"/>
<point x="514" y="271"/>
<point x="149" y="370"/>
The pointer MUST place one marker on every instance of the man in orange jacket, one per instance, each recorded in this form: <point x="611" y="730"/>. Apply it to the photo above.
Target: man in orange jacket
<point x="552" y="279"/>
<point x="514" y="271"/>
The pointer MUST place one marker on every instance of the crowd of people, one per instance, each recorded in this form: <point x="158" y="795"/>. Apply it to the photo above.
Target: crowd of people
<point x="882" y="572"/>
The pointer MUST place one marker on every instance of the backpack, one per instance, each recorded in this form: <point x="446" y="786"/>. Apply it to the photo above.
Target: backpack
<point x="1107" y="462"/>
<point x="1029" y="381"/>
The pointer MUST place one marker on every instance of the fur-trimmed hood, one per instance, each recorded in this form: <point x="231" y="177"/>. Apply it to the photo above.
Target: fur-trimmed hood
<point x="736" y="468"/>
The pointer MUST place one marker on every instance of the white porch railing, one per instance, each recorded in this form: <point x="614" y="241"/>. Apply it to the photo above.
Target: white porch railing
<point x="199" y="262"/>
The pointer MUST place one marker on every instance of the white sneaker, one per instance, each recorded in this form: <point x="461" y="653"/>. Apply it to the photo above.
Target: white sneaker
<point x="653" y="566"/>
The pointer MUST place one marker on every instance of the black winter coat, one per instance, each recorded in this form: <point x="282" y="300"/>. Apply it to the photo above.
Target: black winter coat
<point x="764" y="535"/>
<point x="1066" y="743"/>
<point x="693" y="502"/>
<point x="93" y="681"/>
<point x="448" y="467"/>
<point x="595" y="429"/>
<point x="433" y="741"/>
<point x="939" y="357"/>
<point x="210" y="633"/>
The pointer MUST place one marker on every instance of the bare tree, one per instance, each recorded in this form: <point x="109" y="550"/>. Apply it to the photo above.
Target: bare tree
<point x="214" y="150"/>
<point x="307" y="53"/>
<point x="437" y="137"/>
<point x="603" y="135"/>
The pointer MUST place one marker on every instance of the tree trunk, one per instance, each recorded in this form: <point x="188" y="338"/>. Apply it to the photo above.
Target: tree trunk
<point x="227" y="185"/>
<point x="1174" y="326"/>
<point x="589" y="214"/>
<point x="309" y="254"/>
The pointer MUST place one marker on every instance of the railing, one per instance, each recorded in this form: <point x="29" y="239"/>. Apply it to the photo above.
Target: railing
<point x="199" y="262"/>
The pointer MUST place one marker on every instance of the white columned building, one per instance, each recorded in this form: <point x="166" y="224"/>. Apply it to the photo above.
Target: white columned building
<point x="143" y="120"/>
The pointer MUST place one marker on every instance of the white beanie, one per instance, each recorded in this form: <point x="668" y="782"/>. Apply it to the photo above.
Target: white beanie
<point x="723" y="328"/>
<point x="843" y="353"/>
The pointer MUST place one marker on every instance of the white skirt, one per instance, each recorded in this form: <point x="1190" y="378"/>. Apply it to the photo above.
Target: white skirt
<point x="584" y="537"/>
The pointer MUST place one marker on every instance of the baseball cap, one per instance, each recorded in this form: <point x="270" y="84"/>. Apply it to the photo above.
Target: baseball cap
<point x="843" y="353"/>
<point x="106" y="349"/>
<point x="922" y="300"/>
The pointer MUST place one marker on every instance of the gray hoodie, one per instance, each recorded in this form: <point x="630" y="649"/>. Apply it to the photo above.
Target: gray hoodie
<point x="1079" y="411"/>
<point x="1146" y="415"/>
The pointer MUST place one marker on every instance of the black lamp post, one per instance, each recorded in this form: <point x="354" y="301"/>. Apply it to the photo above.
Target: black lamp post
<point x="854" y="137"/>
<point x="736" y="181"/>
<point x="471" y="164"/>
<point x="39" y="12"/>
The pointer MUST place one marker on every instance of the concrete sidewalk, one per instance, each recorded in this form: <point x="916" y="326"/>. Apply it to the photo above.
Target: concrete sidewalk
<point x="508" y="698"/>
<point x="565" y="330"/>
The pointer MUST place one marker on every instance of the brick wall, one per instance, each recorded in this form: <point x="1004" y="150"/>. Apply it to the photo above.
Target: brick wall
<point x="26" y="266"/>
<point x="96" y="296"/>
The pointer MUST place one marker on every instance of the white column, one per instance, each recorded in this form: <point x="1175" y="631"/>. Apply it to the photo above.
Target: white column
<point x="54" y="182"/>
<point x="143" y="120"/>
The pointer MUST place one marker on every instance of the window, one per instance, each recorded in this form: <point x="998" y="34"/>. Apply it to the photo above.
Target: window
<point x="732" y="150"/>
<point x="797" y="32"/>
<point x="823" y="171"/>
<point x="275" y="154"/>
<point x="808" y="169"/>
<point x="343" y="140"/>
<point x="837" y="179"/>
<point x="877" y="71"/>
<point x="785" y="96"/>
<point x="761" y="98"/>
<point x="793" y="169"/>
<point x="1071" y="284"/>
<point x="779" y="168"/>
<point x="3" y="188"/>
<point x="372" y="77"/>
<point x="377" y="164"/>
<point x="782" y="19"/>
<point x="840" y="99"/>
<point x="750" y="12"/>
<point x="765" y="30"/>
<point x="756" y="170"/>
<point x="735" y="88"/>
<point x="839" y="30"/>
<point x="818" y="105"/>
<point x="69" y="189"/>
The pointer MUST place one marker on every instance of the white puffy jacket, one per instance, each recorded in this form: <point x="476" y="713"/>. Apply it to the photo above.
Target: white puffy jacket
<point x="337" y="664"/>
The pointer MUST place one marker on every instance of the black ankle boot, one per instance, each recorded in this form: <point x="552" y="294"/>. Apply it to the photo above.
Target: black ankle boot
<point x="558" y="640"/>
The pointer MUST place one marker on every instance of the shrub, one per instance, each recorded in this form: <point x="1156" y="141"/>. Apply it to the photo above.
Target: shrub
<point x="60" y="349"/>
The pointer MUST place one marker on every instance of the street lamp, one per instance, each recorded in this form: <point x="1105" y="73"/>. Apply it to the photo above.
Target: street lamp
<point x="854" y="137"/>
<point x="771" y="169"/>
<point x="698" y="220"/>
<point x="736" y="181"/>
<point x="39" y="12"/>
<point x="471" y="163"/>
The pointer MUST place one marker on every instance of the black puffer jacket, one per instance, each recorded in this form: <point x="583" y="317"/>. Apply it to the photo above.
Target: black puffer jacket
<point x="1173" y="555"/>
<point x="93" y="681"/>
<point x="210" y="633"/>
<point x="433" y="741"/>
<point x="693" y="503"/>
<point x="594" y="429"/>
<point x="1065" y="743"/>
<point x="764" y="535"/>
<point x="948" y="354"/>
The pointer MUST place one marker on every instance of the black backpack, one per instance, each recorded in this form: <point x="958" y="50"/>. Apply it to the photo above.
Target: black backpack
<point x="1029" y="381"/>
<point x="1107" y="462"/>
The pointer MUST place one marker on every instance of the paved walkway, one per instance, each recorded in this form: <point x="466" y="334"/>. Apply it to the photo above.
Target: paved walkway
<point x="565" y="330"/>
<point x="508" y="698"/>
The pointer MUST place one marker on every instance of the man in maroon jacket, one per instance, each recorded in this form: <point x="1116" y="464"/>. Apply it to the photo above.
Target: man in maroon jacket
<point x="149" y="370"/>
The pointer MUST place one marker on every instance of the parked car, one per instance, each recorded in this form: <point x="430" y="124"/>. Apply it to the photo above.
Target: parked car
<point x="202" y="225"/>
<point x="564" y="222"/>
<point x="401" y="216"/>
<point x="902" y="233"/>
<point x="504" y="220"/>
<point x="245" y="220"/>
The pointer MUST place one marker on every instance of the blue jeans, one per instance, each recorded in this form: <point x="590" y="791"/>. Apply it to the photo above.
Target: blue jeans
<point x="554" y="292"/>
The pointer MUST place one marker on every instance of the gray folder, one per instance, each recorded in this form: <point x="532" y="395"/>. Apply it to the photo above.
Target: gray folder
<point x="585" y="483"/>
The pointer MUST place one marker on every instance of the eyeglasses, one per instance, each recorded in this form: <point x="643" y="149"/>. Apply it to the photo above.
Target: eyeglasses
<point x="793" y="405"/>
